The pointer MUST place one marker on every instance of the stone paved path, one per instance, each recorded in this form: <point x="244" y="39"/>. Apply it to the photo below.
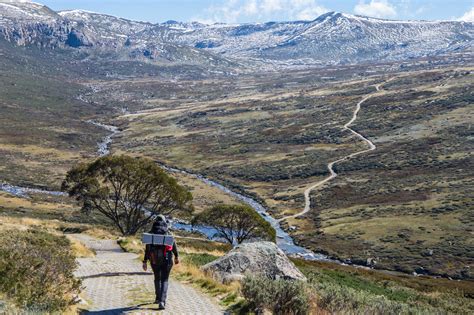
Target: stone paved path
<point x="115" y="283"/>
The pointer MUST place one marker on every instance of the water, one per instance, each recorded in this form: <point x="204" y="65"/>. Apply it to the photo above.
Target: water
<point x="102" y="150"/>
<point x="284" y="240"/>
<point x="24" y="192"/>
<point x="207" y="231"/>
<point x="104" y="145"/>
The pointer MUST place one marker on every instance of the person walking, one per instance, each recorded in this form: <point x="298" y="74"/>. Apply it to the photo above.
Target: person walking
<point x="161" y="261"/>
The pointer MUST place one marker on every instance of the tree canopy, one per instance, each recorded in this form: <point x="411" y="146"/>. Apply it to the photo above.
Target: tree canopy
<point x="236" y="223"/>
<point x="128" y="191"/>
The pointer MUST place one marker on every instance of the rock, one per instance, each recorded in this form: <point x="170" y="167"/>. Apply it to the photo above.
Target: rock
<point x="420" y="270"/>
<point x="259" y="258"/>
<point x="77" y="39"/>
<point x="371" y="261"/>
<point x="428" y="252"/>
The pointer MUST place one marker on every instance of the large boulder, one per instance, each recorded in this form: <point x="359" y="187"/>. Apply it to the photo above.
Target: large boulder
<point x="259" y="258"/>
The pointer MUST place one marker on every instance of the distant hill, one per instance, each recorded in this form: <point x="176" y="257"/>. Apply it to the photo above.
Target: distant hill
<point x="332" y="38"/>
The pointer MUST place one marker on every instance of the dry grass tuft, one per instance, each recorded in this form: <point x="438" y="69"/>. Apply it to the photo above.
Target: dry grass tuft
<point x="79" y="249"/>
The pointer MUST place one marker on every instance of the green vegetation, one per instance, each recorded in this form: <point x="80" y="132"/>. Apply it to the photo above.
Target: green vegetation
<point x="198" y="259"/>
<point x="408" y="205"/>
<point x="36" y="270"/>
<point x="278" y="296"/>
<point x="405" y="206"/>
<point x="341" y="289"/>
<point x="236" y="223"/>
<point x="121" y="187"/>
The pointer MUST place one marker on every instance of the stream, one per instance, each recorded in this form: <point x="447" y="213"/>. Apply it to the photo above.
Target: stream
<point x="104" y="146"/>
<point x="283" y="239"/>
<point x="24" y="192"/>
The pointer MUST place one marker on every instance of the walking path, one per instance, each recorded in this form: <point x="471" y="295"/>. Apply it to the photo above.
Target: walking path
<point x="115" y="283"/>
<point x="332" y="173"/>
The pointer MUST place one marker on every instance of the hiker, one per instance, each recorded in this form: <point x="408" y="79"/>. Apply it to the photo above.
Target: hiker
<point x="161" y="261"/>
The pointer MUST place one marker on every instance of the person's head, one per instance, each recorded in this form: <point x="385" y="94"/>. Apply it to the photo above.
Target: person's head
<point x="160" y="218"/>
<point x="160" y="226"/>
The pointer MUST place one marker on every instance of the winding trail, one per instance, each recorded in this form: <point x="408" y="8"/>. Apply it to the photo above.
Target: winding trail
<point x="330" y="166"/>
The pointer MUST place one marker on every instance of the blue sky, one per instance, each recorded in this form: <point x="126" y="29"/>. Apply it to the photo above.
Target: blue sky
<point x="239" y="11"/>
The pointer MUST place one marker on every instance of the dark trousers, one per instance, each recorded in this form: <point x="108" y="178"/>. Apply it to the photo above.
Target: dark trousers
<point x="162" y="273"/>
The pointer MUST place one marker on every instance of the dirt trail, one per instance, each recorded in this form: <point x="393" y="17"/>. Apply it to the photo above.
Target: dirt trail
<point x="332" y="173"/>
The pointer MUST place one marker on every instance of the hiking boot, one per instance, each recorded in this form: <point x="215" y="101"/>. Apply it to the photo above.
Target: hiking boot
<point x="161" y="306"/>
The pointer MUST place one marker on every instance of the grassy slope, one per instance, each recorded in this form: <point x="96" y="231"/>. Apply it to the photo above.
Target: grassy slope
<point x="42" y="124"/>
<point x="43" y="128"/>
<point x="218" y="127"/>
<point x="343" y="289"/>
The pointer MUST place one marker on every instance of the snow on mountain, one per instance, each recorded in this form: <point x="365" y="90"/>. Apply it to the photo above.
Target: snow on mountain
<point x="330" y="39"/>
<point x="25" y="10"/>
<point x="348" y="38"/>
<point x="106" y="26"/>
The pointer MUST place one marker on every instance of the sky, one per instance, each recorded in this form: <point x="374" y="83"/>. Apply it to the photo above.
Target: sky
<point x="243" y="11"/>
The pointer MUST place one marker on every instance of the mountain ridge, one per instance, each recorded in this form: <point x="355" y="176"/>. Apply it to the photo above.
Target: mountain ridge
<point x="332" y="38"/>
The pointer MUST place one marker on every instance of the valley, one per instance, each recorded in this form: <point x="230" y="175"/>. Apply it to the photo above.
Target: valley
<point x="275" y="155"/>
<point x="272" y="124"/>
<point x="271" y="138"/>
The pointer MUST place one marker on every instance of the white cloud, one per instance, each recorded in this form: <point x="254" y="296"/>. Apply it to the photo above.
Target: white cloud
<point x="468" y="16"/>
<point x="307" y="9"/>
<point x="251" y="7"/>
<point x="269" y="6"/>
<point x="376" y="8"/>
<point x="231" y="11"/>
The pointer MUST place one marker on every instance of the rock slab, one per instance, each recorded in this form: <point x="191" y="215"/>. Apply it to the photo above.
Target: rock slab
<point x="258" y="258"/>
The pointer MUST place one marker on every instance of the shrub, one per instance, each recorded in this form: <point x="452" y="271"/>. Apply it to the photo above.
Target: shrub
<point x="337" y="298"/>
<point x="198" y="259"/>
<point x="36" y="270"/>
<point x="203" y="245"/>
<point x="278" y="296"/>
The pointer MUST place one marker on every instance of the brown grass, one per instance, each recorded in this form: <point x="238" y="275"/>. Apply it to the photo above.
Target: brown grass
<point x="79" y="249"/>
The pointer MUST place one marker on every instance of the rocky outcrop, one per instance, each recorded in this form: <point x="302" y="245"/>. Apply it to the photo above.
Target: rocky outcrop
<point x="77" y="39"/>
<point x="40" y="34"/>
<point x="51" y="34"/>
<point x="259" y="258"/>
